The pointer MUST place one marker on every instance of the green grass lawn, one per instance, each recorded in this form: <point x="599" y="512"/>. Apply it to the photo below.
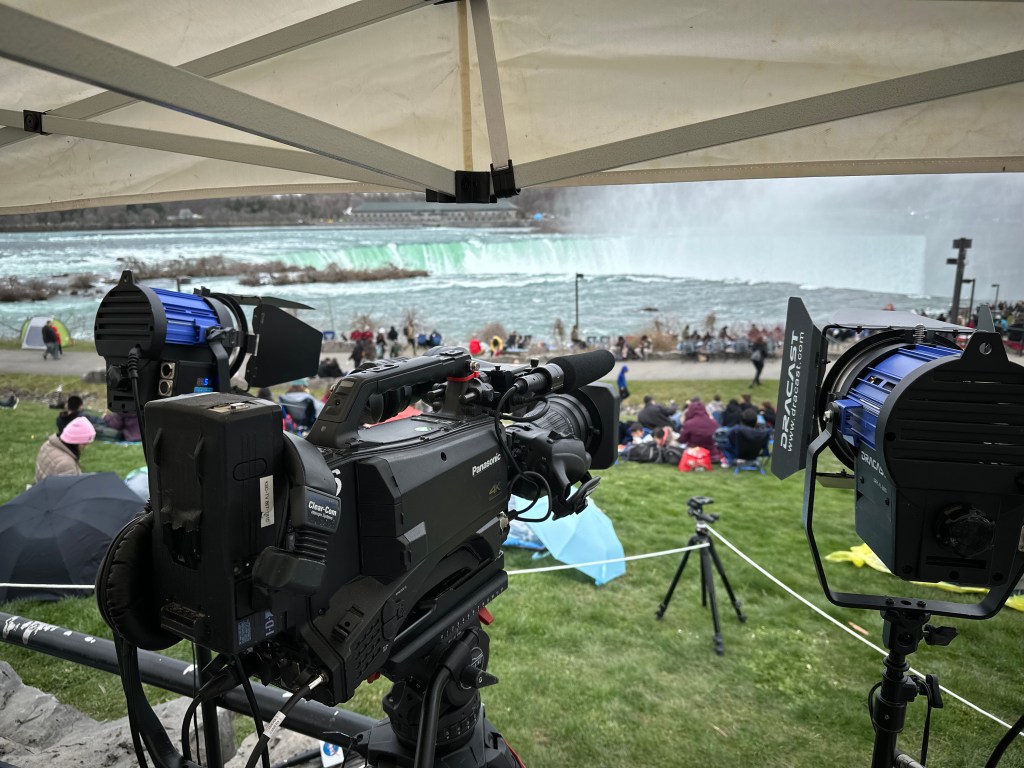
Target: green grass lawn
<point x="589" y="677"/>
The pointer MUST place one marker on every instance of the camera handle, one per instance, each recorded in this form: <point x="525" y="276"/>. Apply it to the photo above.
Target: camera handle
<point x="367" y="394"/>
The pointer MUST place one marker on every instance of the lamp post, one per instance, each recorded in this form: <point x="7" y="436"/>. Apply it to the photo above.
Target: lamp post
<point x="961" y="245"/>
<point x="995" y="302"/>
<point x="970" y="305"/>
<point x="578" y="276"/>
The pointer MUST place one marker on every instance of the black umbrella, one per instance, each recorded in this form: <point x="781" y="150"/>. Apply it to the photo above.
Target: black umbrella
<point x="58" y="530"/>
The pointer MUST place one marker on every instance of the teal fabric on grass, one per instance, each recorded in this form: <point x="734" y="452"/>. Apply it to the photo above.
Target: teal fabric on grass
<point x="583" y="538"/>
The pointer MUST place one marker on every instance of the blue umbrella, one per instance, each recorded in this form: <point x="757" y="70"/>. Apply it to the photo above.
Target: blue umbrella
<point x="584" y="538"/>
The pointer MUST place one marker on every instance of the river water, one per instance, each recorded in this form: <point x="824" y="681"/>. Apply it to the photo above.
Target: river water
<point x="524" y="280"/>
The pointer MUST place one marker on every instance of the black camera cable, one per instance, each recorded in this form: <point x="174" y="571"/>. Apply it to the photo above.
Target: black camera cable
<point x="275" y="723"/>
<point x="148" y="733"/>
<point x="927" y="717"/>
<point x="195" y="711"/>
<point x="499" y="431"/>
<point x="257" y="719"/>
<point x="1005" y="742"/>
<point x="133" y="374"/>
<point x="124" y="665"/>
<point x="223" y="678"/>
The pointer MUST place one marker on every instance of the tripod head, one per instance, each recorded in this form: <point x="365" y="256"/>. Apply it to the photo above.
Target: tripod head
<point x="695" y="508"/>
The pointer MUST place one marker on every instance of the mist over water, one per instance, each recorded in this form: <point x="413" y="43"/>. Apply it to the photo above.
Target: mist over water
<point x="881" y="232"/>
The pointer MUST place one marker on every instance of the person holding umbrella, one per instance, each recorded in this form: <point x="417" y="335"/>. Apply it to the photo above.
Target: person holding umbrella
<point x="60" y="454"/>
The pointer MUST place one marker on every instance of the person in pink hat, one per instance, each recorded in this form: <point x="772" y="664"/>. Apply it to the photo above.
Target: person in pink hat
<point x="60" y="455"/>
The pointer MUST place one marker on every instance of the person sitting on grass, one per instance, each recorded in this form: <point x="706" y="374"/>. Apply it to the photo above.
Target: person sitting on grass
<point x="637" y="436"/>
<point x="654" y="415"/>
<point x="75" y="408"/>
<point x="699" y="430"/>
<point x="715" y="408"/>
<point x="302" y="406"/>
<point x="746" y="440"/>
<point x="60" y="455"/>
<point x="123" y="427"/>
<point x="665" y="436"/>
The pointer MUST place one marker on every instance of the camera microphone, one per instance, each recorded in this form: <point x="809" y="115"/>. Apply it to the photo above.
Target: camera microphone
<point x="566" y="374"/>
<point x="580" y="370"/>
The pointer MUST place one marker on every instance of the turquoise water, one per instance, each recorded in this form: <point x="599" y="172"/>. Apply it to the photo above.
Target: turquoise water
<point x="523" y="280"/>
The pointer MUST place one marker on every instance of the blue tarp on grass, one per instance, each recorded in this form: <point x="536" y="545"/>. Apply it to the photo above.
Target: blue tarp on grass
<point x="583" y="538"/>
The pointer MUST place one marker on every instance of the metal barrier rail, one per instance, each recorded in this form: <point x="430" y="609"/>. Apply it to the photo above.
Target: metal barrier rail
<point x="309" y="718"/>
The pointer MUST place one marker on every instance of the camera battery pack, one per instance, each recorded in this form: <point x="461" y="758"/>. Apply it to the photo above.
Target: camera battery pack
<point x="220" y="497"/>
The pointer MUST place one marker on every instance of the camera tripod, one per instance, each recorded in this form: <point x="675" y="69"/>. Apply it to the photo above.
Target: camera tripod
<point x="435" y="716"/>
<point x="708" y="556"/>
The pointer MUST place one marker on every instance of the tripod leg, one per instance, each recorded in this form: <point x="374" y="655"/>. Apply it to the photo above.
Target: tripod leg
<point x="675" y="580"/>
<point x="703" y="581"/>
<point x="709" y="585"/>
<point x="721" y="572"/>
<point x="672" y="587"/>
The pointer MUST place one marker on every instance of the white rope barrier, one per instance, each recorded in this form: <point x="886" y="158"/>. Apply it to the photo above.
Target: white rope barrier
<point x="778" y="583"/>
<point x="9" y="585"/>
<point x="845" y="628"/>
<point x="605" y="562"/>
<point x="717" y="535"/>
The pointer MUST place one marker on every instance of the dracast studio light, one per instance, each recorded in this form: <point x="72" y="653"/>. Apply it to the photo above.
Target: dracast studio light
<point x="159" y="343"/>
<point x="931" y="436"/>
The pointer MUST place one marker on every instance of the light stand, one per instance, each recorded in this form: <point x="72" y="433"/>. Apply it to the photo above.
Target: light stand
<point x="578" y="276"/>
<point x="902" y="633"/>
<point x="961" y="245"/>
<point x="708" y="556"/>
<point x="970" y="303"/>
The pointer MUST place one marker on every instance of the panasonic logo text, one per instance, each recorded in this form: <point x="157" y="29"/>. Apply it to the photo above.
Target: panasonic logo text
<point x="478" y="468"/>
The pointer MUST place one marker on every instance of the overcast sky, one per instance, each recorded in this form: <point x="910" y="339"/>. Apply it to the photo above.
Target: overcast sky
<point x="987" y="208"/>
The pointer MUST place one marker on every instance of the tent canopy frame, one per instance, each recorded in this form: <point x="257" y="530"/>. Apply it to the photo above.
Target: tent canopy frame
<point x="319" y="148"/>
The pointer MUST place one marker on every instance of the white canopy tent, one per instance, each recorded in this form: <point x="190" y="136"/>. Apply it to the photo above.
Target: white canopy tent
<point x="143" y="102"/>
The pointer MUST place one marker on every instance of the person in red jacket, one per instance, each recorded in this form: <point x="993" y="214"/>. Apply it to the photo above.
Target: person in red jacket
<point x="698" y="429"/>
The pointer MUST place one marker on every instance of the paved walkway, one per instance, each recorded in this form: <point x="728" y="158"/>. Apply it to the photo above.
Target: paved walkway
<point x="78" y="363"/>
<point x="31" y="361"/>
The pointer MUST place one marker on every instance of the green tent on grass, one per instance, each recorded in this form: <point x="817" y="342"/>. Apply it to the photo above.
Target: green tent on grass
<point x="32" y="332"/>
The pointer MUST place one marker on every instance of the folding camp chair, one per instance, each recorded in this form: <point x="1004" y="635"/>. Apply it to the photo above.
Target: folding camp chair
<point x="747" y="448"/>
<point x="303" y="414"/>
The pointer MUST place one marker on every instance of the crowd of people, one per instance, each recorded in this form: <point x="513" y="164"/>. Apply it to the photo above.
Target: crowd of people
<point x="664" y="432"/>
<point x="670" y="427"/>
<point x="388" y="342"/>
